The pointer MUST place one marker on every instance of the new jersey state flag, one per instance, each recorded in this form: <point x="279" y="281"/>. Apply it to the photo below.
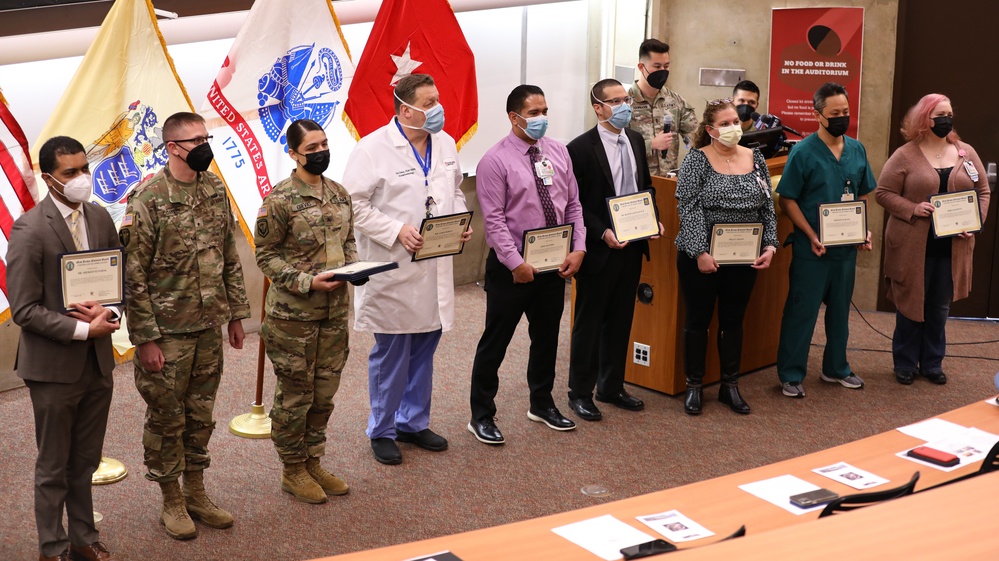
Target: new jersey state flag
<point x="288" y="62"/>
<point x="115" y="105"/>
<point x="17" y="190"/>
<point x="414" y="37"/>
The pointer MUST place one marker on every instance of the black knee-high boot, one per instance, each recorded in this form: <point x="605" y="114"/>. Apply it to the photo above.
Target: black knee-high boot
<point x="695" y="347"/>
<point x="730" y="355"/>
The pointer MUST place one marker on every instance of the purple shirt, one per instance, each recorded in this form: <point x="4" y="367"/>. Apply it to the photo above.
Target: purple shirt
<point x="508" y="195"/>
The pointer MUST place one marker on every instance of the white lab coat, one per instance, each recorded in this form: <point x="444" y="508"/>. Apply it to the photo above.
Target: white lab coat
<point x="386" y="189"/>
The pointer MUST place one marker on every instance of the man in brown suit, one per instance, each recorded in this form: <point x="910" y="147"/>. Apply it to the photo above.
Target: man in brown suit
<point x="65" y="359"/>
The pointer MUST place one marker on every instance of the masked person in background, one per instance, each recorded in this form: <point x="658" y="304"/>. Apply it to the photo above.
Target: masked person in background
<point x="184" y="282"/>
<point x="304" y="229"/>
<point x="655" y="105"/>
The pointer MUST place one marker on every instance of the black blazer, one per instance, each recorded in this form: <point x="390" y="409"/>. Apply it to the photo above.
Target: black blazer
<point x="593" y="175"/>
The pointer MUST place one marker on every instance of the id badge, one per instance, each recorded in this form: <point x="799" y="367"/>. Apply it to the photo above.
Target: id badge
<point x="970" y="168"/>
<point x="763" y="186"/>
<point x="847" y="194"/>
<point x="544" y="169"/>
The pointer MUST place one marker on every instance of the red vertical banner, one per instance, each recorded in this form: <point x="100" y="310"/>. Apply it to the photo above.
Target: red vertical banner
<point x="809" y="47"/>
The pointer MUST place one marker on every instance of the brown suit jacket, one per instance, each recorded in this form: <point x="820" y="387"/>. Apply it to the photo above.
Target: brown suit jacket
<point x="46" y="351"/>
<point x="906" y="180"/>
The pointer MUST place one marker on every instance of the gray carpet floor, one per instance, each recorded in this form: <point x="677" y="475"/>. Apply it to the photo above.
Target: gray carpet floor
<point x="471" y="485"/>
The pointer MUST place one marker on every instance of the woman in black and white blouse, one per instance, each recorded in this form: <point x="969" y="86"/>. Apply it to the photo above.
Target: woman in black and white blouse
<point x="719" y="183"/>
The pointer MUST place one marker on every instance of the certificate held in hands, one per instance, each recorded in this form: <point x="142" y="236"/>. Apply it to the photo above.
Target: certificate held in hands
<point x="442" y="235"/>
<point x="956" y="213"/>
<point x="359" y="270"/>
<point x="736" y="244"/>
<point x="843" y="223"/>
<point x="545" y="249"/>
<point x="633" y="217"/>
<point x="92" y="276"/>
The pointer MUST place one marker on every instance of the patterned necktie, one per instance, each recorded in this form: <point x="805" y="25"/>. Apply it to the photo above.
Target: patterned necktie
<point x="627" y="173"/>
<point x="76" y="228"/>
<point x="546" y="198"/>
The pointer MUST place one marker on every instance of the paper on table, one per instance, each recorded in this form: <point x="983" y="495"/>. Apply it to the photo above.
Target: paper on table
<point x="971" y="446"/>
<point x="675" y="526"/>
<point x="932" y="429"/>
<point x="603" y="536"/>
<point x="778" y="491"/>
<point x="848" y="475"/>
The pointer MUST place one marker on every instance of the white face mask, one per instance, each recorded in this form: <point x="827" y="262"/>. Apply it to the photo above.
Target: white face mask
<point x="77" y="190"/>
<point x="730" y="135"/>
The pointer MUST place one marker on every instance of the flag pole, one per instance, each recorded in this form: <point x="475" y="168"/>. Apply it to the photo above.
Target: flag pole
<point x="256" y="423"/>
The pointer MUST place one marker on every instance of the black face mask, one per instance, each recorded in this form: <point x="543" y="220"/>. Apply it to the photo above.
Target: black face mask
<point x="657" y="79"/>
<point x="200" y="158"/>
<point x="316" y="162"/>
<point x="745" y="111"/>
<point x="942" y="125"/>
<point x="838" y="125"/>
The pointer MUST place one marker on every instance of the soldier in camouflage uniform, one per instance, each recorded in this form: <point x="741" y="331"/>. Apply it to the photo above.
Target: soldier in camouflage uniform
<point x="184" y="282"/>
<point x="305" y="227"/>
<point x="652" y="102"/>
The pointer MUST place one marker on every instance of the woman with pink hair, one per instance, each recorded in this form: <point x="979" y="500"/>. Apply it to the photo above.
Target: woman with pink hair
<point x="925" y="272"/>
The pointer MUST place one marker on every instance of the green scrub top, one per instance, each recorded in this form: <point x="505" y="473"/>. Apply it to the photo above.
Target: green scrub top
<point x="813" y="176"/>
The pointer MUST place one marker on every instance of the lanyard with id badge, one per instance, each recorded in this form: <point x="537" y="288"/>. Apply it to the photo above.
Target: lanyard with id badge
<point x="545" y="171"/>
<point x="847" y="192"/>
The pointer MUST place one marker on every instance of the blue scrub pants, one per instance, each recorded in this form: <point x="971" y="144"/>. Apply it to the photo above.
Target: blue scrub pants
<point x="813" y="282"/>
<point x="400" y="382"/>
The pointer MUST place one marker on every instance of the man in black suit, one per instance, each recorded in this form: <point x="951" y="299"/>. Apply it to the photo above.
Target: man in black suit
<point x="607" y="160"/>
<point x="65" y="359"/>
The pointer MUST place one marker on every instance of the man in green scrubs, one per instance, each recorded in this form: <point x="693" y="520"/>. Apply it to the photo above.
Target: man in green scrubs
<point x="825" y="167"/>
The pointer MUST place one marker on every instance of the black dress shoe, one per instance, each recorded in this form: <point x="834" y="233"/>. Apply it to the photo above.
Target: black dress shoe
<point x="938" y="378"/>
<point x="905" y="378"/>
<point x="551" y="417"/>
<point x="585" y="409"/>
<point x="729" y="395"/>
<point x="624" y="400"/>
<point x="692" y="401"/>
<point x="386" y="451"/>
<point x="485" y="431"/>
<point x="426" y="439"/>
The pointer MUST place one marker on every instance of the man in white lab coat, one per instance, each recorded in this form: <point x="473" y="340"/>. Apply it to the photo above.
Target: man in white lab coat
<point x="397" y="176"/>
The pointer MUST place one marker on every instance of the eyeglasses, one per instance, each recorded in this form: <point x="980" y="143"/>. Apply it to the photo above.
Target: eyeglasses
<point x="725" y="101"/>
<point x="196" y="140"/>
<point x="619" y="100"/>
<point x="430" y="201"/>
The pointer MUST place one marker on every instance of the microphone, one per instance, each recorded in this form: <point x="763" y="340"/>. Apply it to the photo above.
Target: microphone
<point x="769" y="120"/>
<point x="667" y="127"/>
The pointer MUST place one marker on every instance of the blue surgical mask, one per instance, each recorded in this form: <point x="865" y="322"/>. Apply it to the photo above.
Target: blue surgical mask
<point x="621" y="116"/>
<point x="536" y="126"/>
<point x="434" y="122"/>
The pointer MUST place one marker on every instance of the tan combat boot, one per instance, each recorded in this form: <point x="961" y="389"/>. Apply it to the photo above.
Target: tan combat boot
<point x="297" y="481"/>
<point x="330" y="483"/>
<point x="174" y="516"/>
<point x="199" y="505"/>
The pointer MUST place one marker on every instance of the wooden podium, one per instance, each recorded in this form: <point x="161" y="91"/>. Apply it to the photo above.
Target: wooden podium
<point x="659" y="324"/>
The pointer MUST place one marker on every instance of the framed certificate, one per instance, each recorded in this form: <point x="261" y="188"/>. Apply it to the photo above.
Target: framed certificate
<point x="843" y="223"/>
<point x="736" y="244"/>
<point x="442" y="235"/>
<point x="92" y="276"/>
<point x="633" y="217"/>
<point x="358" y="270"/>
<point x="955" y="213"/>
<point x="545" y="249"/>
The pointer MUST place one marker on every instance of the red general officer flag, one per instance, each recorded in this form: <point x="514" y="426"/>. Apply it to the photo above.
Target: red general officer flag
<point x="414" y="37"/>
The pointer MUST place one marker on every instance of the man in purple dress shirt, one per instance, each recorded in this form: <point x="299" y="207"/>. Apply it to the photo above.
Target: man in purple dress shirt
<point x="523" y="182"/>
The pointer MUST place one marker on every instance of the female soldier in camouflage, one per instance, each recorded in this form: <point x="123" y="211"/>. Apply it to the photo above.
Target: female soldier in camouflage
<point x="305" y="228"/>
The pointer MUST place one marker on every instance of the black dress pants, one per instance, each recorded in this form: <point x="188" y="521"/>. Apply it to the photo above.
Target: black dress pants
<point x="542" y="301"/>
